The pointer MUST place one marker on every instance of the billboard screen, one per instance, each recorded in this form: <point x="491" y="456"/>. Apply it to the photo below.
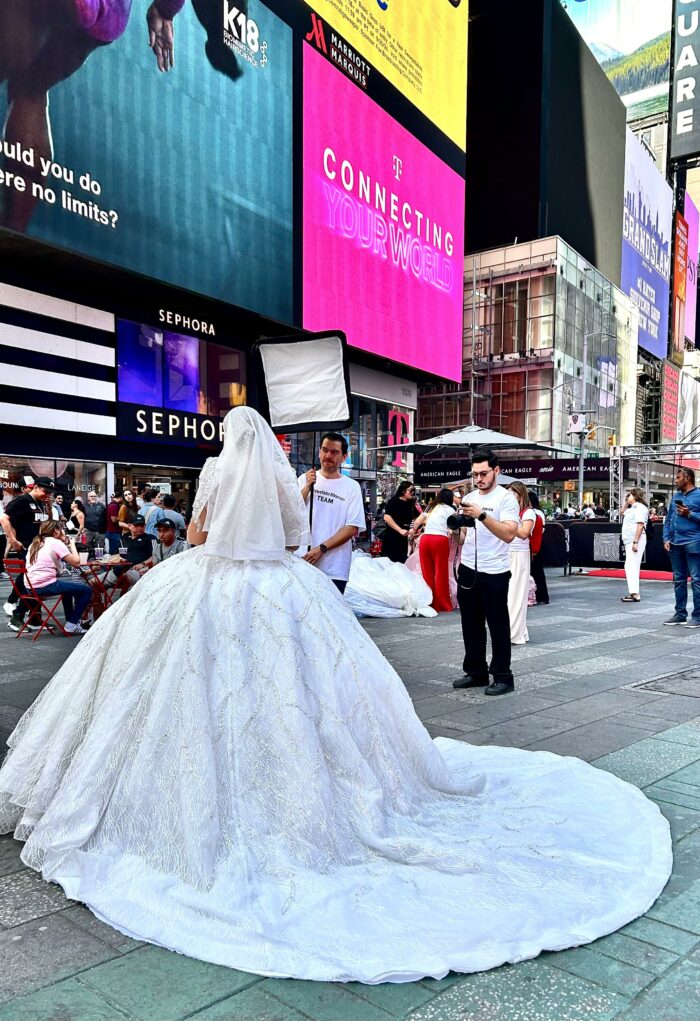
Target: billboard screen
<point x="419" y="48"/>
<point x="692" y="218"/>
<point x="680" y="280"/>
<point x="174" y="387"/>
<point x="383" y="229"/>
<point x="184" y="176"/>
<point x="688" y="408"/>
<point x="631" y="39"/>
<point x="646" y="245"/>
<point x="670" y="382"/>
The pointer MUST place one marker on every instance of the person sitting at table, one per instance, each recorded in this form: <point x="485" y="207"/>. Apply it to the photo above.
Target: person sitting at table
<point x="47" y="553"/>
<point x="167" y="543"/>
<point x="139" y="556"/>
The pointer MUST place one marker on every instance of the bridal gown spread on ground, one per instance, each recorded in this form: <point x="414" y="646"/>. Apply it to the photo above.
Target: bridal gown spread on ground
<point x="228" y="766"/>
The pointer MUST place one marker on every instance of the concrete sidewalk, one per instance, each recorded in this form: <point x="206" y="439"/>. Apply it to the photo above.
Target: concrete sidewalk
<point x="600" y="679"/>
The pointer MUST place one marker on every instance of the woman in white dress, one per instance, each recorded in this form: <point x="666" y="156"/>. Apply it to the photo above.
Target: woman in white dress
<point x="634" y="539"/>
<point x="227" y="766"/>
<point x="519" y="555"/>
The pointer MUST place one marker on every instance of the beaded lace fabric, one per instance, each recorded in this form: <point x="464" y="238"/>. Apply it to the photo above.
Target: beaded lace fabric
<point x="227" y="766"/>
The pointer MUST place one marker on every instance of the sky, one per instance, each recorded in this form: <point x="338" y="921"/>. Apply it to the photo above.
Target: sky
<point x="623" y="25"/>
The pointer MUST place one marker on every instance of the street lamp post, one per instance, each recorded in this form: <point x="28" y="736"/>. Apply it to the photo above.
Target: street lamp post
<point x="582" y="437"/>
<point x="583" y="410"/>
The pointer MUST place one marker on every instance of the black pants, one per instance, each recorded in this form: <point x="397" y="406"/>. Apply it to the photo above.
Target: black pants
<point x="26" y="603"/>
<point x="483" y="600"/>
<point x="340" y="585"/>
<point x="538" y="576"/>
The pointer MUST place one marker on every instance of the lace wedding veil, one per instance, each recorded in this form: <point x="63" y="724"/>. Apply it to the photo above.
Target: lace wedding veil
<point x="248" y="496"/>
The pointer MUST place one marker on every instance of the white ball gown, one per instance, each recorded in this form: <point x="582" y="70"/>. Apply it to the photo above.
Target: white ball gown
<point x="227" y="766"/>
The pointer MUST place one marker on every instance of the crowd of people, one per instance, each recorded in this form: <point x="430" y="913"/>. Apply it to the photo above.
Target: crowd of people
<point x="140" y="527"/>
<point x="51" y="546"/>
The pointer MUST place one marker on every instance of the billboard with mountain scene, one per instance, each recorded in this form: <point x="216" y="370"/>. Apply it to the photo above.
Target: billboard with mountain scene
<point x="631" y="40"/>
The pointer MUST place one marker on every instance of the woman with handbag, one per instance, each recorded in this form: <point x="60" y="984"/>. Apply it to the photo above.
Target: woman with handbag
<point x="399" y="515"/>
<point x="634" y="539"/>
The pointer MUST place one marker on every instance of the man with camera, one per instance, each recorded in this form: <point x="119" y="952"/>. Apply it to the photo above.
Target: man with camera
<point x="490" y="517"/>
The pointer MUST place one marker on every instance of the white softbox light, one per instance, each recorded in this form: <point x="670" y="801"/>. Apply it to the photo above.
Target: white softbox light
<point x="305" y="382"/>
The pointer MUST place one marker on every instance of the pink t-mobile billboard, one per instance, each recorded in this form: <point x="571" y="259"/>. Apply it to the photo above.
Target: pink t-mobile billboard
<point x="383" y="229"/>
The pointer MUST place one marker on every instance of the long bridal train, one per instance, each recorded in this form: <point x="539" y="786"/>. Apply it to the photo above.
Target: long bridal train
<point x="227" y="766"/>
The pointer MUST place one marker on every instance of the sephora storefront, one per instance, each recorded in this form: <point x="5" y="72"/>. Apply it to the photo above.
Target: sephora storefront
<point x="99" y="402"/>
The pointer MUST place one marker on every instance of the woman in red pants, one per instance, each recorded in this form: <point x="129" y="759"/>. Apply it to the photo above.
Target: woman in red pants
<point x="435" y="550"/>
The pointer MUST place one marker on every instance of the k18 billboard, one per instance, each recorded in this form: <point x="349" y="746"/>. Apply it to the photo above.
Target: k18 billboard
<point x="184" y="176"/>
<point x="419" y="48"/>
<point x="646" y="245"/>
<point x="383" y="229"/>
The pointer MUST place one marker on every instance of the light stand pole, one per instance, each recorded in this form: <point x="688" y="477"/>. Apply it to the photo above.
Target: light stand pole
<point x="582" y="440"/>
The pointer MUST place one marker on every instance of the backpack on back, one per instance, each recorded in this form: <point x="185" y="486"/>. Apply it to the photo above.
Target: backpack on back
<point x="536" y="534"/>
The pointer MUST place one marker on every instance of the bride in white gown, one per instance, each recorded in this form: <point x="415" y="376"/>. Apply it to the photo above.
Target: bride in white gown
<point x="227" y="766"/>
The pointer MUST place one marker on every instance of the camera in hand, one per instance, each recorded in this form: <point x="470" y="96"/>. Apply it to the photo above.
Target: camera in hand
<point x="456" y="521"/>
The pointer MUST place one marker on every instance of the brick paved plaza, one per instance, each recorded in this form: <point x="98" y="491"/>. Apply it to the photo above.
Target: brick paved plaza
<point x="600" y="680"/>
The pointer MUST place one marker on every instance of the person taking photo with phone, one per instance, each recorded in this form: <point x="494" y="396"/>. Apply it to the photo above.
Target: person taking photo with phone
<point x="682" y="542"/>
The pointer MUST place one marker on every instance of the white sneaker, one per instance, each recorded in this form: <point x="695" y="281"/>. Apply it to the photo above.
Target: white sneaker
<point x="75" y="629"/>
<point x="9" y="609"/>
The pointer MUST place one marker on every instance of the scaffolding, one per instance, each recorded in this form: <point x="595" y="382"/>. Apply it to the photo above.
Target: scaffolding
<point x="644" y="454"/>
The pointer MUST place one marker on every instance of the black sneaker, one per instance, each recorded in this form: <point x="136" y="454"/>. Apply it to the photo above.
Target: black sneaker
<point x="500" y="688"/>
<point x="32" y="626"/>
<point x="469" y="682"/>
<point x="675" y="619"/>
<point x="15" y="623"/>
<point x="692" y="623"/>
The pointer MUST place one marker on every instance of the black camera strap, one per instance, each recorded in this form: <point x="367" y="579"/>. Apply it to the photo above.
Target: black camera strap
<point x="467" y="588"/>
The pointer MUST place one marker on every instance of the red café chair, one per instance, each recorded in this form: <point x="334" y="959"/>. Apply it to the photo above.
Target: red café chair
<point x="16" y="570"/>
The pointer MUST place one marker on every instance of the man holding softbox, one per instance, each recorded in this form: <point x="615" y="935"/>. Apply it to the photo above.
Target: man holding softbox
<point x="490" y="517"/>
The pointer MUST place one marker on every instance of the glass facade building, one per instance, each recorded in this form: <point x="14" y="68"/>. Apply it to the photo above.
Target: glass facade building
<point x="533" y="315"/>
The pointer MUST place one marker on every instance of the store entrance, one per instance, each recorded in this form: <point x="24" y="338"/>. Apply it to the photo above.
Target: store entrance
<point x="180" y="482"/>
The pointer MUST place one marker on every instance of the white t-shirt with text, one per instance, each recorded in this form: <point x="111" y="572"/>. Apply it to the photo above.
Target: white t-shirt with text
<point x="492" y="554"/>
<point x="337" y="502"/>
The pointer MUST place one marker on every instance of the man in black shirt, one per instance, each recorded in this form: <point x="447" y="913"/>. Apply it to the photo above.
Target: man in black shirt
<point x="21" y="521"/>
<point x="139" y="554"/>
